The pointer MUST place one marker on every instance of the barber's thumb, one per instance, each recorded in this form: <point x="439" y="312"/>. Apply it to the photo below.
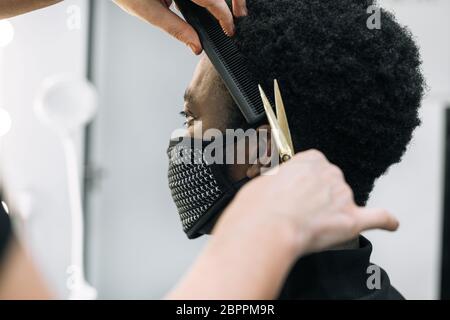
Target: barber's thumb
<point x="374" y="218"/>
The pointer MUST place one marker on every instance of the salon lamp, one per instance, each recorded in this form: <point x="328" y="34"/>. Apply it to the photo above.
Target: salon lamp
<point x="67" y="104"/>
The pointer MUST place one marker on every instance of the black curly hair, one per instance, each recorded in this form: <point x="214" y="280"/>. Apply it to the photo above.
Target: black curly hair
<point x="351" y="92"/>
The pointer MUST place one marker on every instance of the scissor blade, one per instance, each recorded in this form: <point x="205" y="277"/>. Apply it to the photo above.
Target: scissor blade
<point x="272" y="119"/>
<point x="276" y="130"/>
<point x="282" y="118"/>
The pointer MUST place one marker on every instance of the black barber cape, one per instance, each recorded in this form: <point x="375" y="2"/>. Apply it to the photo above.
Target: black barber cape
<point x="339" y="275"/>
<point x="5" y="230"/>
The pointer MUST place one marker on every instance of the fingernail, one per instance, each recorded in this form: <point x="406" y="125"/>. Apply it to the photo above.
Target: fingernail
<point x="193" y="48"/>
<point x="226" y="32"/>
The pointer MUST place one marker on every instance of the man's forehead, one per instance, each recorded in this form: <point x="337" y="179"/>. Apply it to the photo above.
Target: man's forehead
<point x="204" y="81"/>
<point x="204" y="72"/>
<point x="188" y="95"/>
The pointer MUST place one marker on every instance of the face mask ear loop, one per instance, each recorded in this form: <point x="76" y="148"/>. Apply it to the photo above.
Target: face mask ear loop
<point x="221" y="170"/>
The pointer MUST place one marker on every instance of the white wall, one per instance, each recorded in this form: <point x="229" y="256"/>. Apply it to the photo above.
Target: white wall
<point x="32" y="156"/>
<point x="413" y="189"/>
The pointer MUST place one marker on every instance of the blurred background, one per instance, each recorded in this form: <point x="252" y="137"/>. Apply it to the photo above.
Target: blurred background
<point x="134" y="245"/>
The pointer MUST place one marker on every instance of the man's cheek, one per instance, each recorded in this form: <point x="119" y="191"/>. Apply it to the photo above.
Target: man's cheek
<point x="196" y="130"/>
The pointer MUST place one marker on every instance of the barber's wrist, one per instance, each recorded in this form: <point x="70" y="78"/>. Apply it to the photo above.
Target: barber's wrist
<point x="280" y="236"/>
<point x="267" y="231"/>
<point x="258" y="255"/>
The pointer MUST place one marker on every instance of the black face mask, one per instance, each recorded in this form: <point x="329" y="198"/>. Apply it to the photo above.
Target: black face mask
<point x="200" y="188"/>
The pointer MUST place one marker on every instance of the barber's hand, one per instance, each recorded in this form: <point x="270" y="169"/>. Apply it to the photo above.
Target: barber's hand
<point x="309" y="198"/>
<point x="158" y="13"/>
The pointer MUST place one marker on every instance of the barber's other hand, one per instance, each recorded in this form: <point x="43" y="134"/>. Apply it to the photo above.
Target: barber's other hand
<point x="311" y="202"/>
<point x="158" y="13"/>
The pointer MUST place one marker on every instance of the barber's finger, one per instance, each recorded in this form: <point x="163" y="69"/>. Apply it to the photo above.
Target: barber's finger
<point x="312" y="156"/>
<point x="167" y="20"/>
<point x="368" y="219"/>
<point x="220" y="10"/>
<point x="240" y="8"/>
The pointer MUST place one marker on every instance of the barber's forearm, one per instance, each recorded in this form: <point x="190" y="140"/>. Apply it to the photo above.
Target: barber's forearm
<point x="11" y="8"/>
<point x="246" y="265"/>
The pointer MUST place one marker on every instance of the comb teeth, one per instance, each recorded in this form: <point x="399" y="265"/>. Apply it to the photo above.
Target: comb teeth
<point x="227" y="59"/>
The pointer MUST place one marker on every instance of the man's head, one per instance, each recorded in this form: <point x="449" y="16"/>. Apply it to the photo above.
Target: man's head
<point x="349" y="91"/>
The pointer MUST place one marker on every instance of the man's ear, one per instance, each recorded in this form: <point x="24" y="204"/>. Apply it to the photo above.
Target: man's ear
<point x="261" y="153"/>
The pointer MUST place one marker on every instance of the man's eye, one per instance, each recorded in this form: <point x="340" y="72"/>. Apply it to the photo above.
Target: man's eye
<point x="189" y="119"/>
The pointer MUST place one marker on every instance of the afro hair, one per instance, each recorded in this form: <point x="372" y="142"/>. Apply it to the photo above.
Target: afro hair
<point x="350" y="91"/>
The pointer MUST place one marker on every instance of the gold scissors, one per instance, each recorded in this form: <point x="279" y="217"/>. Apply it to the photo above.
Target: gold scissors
<point x="280" y="126"/>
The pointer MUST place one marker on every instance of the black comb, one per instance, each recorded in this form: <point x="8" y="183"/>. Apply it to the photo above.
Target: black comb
<point x="227" y="59"/>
